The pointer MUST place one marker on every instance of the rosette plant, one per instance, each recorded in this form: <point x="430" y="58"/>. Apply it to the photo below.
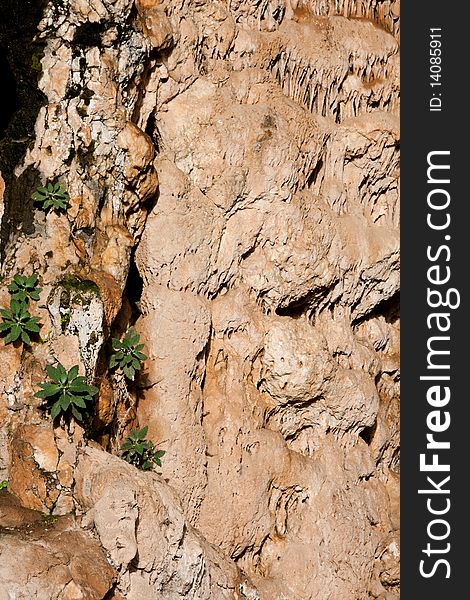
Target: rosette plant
<point x="17" y="323"/>
<point x="67" y="392"/>
<point x="127" y="354"/>
<point x="53" y="196"/>
<point x="140" y="452"/>
<point x="24" y="288"/>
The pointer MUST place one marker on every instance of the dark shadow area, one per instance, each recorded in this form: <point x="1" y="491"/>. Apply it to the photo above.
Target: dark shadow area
<point x="8" y="85"/>
<point x="134" y="286"/>
<point x="302" y="306"/>
<point x="367" y="434"/>
<point x="19" y="69"/>
<point x="124" y="414"/>
<point x="389" y="308"/>
<point x="89" y="35"/>
<point x="312" y="178"/>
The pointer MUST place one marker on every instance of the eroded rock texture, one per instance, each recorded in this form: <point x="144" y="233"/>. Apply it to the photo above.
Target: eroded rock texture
<point x="233" y="174"/>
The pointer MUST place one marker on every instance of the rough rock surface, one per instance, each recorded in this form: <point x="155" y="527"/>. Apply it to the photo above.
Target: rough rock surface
<point x="46" y="557"/>
<point x="132" y="514"/>
<point x="233" y="177"/>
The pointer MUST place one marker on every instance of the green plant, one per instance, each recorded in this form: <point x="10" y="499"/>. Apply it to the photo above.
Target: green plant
<point x="140" y="452"/>
<point x="18" y="323"/>
<point x="36" y="57"/>
<point x="54" y="196"/>
<point x="128" y="356"/>
<point x="67" y="392"/>
<point x="4" y="484"/>
<point x="49" y="520"/>
<point x="65" y="319"/>
<point x="24" y="288"/>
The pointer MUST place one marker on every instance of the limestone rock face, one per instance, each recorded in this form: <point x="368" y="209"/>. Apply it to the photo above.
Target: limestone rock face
<point x="133" y="513"/>
<point x="43" y="557"/>
<point x="233" y="172"/>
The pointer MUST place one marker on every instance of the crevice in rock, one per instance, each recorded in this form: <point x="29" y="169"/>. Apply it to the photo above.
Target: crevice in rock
<point x="134" y="288"/>
<point x="367" y="434"/>
<point x="312" y="178"/>
<point x="151" y="130"/>
<point x="303" y="306"/>
<point x="395" y="461"/>
<point x="294" y="310"/>
<point x="155" y="60"/>
<point x="389" y="309"/>
<point x="111" y="593"/>
<point x="19" y="206"/>
<point x="89" y="34"/>
<point x="125" y="393"/>
<point x="10" y="97"/>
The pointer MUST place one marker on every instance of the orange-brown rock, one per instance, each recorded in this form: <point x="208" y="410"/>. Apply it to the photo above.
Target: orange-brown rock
<point x="233" y="173"/>
<point x="34" y="460"/>
<point x="48" y="558"/>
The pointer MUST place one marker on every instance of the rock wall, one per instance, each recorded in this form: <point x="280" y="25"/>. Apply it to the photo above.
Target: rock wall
<point x="233" y="177"/>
